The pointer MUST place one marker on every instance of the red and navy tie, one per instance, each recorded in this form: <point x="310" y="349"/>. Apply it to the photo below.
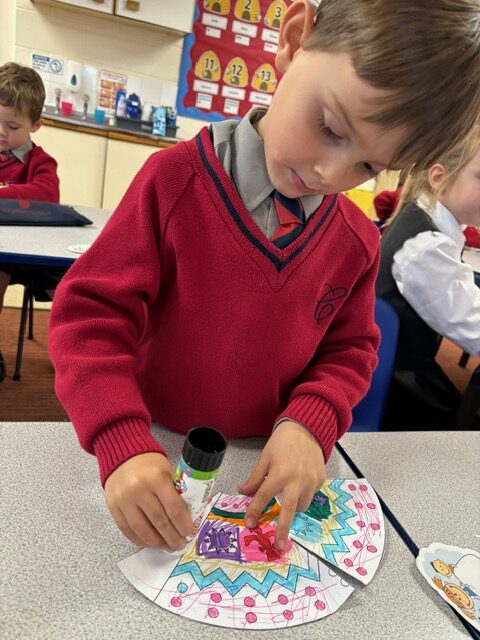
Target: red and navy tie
<point x="291" y="217"/>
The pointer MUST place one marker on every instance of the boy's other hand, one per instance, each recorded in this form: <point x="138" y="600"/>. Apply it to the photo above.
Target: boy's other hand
<point x="291" y="464"/>
<point x="142" y="499"/>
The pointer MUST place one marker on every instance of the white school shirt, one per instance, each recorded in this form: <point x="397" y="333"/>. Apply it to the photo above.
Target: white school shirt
<point x="441" y="288"/>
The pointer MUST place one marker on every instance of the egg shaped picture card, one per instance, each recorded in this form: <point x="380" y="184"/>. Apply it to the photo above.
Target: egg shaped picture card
<point x="344" y="525"/>
<point x="232" y="576"/>
<point x="222" y="7"/>
<point x="265" y="78"/>
<point x="208" y="66"/>
<point x="236" y="73"/>
<point x="274" y="15"/>
<point x="454" y="573"/>
<point x="247" y="10"/>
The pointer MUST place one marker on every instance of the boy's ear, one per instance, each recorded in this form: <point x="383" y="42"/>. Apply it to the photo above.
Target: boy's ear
<point x="297" y="24"/>
<point x="436" y="174"/>
<point x="36" y="126"/>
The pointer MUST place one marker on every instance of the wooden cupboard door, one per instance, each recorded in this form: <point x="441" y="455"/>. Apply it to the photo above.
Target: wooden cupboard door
<point x="124" y="160"/>
<point x="81" y="160"/>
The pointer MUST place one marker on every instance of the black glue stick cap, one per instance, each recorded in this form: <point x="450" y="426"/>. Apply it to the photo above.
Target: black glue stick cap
<point x="204" y="448"/>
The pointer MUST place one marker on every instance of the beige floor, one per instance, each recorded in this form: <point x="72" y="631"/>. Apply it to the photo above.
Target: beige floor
<point x="14" y="298"/>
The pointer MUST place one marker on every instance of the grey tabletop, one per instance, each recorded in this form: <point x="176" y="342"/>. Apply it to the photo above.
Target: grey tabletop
<point x="430" y="480"/>
<point x="33" y="242"/>
<point x="59" y="548"/>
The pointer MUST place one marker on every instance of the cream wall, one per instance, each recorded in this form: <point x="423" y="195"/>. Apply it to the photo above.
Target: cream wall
<point x="7" y="22"/>
<point x="150" y="57"/>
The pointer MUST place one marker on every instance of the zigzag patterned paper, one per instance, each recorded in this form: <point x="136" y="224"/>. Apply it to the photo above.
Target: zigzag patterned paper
<point x="344" y="525"/>
<point x="232" y="576"/>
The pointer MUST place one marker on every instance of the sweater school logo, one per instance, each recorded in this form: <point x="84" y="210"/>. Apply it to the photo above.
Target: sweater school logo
<point x="326" y="304"/>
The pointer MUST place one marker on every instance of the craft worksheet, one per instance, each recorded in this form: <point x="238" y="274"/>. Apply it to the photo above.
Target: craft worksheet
<point x="232" y="576"/>
<point x="454" y="573"/>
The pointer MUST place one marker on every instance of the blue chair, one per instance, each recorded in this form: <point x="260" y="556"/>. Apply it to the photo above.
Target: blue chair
<point x="368" y="414"/>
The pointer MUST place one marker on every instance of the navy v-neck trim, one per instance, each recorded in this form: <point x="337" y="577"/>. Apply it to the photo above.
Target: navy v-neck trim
<point x="278" y="262"/>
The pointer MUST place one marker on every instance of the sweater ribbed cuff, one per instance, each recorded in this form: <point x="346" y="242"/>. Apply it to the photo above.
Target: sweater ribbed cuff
<point x="120" y="441"/>
<point x="318" y="416"/>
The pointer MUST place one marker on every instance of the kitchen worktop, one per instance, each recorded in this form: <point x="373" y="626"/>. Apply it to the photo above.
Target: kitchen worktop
<point x="76" y="122"/>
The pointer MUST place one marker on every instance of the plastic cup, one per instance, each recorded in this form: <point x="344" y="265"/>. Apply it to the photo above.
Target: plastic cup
<point x="67" y="108"/>
<point x="99" y="116"/>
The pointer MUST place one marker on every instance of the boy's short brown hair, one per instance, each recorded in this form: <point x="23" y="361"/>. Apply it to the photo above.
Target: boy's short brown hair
<point x="424" y="53"/>
<point x="22" y="88"/>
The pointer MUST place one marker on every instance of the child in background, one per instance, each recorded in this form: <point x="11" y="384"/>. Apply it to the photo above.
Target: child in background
<point x="26" y="171"/>
<point x="193" y="306"/>
<point x="386" y="202"/>
<point x="434" y="292"/>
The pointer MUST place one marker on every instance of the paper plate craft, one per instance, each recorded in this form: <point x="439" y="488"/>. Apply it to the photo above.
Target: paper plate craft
<point x="232" y="576"/>
<point x="344" y="525"/>
<point x="455" y="574"/>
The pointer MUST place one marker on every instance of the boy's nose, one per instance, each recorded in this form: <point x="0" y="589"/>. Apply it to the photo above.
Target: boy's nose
<point x="330" y="171"/>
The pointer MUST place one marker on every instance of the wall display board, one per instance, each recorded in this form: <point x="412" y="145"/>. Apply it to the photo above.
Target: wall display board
<point x="228" y="61"/>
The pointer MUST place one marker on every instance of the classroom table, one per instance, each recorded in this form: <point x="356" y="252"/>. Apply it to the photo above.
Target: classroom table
<point x="47" y="246"/>
<point x="51" y="249"/>
<point x="430" y="480"/>
<point x="59" y="549"/>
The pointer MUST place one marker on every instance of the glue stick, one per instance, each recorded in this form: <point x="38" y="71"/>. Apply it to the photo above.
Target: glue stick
<point x="197" y="469"/>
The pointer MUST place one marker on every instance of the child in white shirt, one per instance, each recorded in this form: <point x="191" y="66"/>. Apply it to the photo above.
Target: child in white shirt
<point x="422" y="275"/>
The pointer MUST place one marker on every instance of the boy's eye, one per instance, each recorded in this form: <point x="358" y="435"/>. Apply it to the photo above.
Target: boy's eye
<point x="325" y="129"/>
<point x="370" y="170"/>
<point x="14" y="128"/>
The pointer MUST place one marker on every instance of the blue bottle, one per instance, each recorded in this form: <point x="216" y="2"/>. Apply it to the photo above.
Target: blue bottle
<point x="134" y="107"/>
<point x="121" y="103"/>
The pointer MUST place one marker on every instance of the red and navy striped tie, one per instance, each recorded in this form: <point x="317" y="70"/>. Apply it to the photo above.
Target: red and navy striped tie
<point x="291" y="218"/>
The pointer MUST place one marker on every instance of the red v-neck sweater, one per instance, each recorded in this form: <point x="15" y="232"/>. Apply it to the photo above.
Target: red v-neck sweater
<point x="34" y="179"/>
<point x="183" y="312"/>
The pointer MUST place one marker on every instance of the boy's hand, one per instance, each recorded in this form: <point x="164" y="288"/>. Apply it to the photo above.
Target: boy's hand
<point x="292" y="464"/>
<point x="142" y="499"/>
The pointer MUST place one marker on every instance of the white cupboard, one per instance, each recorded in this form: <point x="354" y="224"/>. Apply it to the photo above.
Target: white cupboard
<point x="104" y="6"/>
<point x="153" y="12"/>
<point x="159" y="12"/>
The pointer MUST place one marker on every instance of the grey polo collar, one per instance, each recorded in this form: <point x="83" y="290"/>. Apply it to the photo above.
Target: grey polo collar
<point x="22" y="152"/>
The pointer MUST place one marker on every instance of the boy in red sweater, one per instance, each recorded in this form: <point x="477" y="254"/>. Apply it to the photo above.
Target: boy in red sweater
<point x="192" y="307"/>
<point x="26" y="171"/>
